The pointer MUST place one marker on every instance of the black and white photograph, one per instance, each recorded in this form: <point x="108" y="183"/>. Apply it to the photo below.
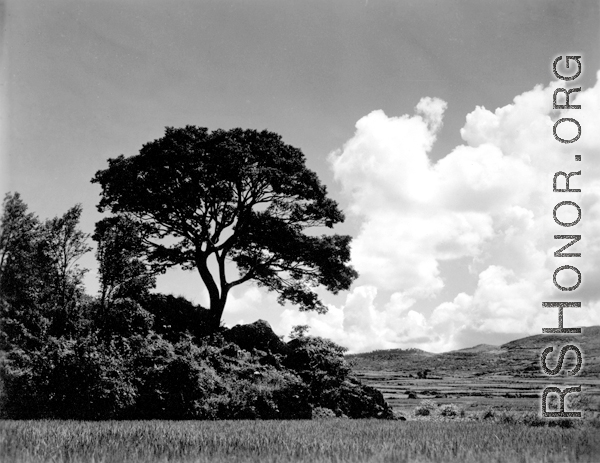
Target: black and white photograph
<point x="300" y="231"/>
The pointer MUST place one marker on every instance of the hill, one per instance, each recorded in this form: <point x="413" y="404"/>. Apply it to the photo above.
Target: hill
<point x="506" y="377"/>
<point x="518" y="357"/>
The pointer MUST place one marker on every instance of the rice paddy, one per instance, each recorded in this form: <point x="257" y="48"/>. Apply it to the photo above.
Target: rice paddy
<point x="317" y="441"/>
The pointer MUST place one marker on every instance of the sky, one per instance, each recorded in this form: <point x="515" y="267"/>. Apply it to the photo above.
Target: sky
<point x="429" y="121"/>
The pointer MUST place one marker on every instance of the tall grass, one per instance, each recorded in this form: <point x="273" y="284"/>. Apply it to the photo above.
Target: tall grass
<point x="291" y="441"/>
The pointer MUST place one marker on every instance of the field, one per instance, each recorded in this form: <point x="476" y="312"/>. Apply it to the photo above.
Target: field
<point x="474" y="394"/>
<point x="317" y="441"/>
<point x="506" y="377"/>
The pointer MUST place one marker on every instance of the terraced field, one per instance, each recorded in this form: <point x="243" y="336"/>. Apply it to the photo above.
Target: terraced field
<point x="505" y="377"/>
<point x="472" y="394"/>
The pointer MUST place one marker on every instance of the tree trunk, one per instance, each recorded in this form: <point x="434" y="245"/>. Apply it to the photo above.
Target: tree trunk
<point x="217" y="306"/>
<point x="217" y="293"/>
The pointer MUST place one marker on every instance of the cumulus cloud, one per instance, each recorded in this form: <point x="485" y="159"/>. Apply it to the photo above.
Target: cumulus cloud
<point x="488" y="202"/>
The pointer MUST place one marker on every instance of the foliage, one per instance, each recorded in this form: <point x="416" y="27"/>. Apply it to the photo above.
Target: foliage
<point x="40" y="282"/>
<point x="323" y="413"/>
<point x="449" y="410"/>
<point x="18" y="233"/>
<point x="299" y="331"/>
<point x="319" y="362"/>
<point x="176" y="316"/>
<point x="425" y="408"/>
<point x="20" y="278"/>
<point x="423" y="374"/>
<point x="173" y="381"/>
<point x="488" y="414"/>
<point x="241" y="196"/>
<point x="130" y="354"/>
<point x="61" y="245"/>
<point x="68" y="378"/>
<point x="123" y="273"/>
<point x="122" y="317"/>
<point x="148" y="377"/>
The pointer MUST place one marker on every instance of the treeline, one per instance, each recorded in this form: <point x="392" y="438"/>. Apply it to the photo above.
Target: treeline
<point x="129" y="353"/>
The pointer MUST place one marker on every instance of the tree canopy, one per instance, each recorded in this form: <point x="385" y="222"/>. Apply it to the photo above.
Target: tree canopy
<point x="238" y="196"/>
<point x="40" y="281"/>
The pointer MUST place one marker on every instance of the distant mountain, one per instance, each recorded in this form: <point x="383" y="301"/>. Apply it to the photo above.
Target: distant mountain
<point x="487" y="348"/>
<point x="590" y="338"/>
<point x="518" y="358"/>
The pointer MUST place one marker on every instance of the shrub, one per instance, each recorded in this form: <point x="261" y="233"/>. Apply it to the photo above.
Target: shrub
<point x="174" y="316"/>
<point x="123" y="370"/>
<point x="419" y="411"/>
<point x="506" y="418"/>
<point x="355" y="400"/>
<point x="449" y="410"/>
<point x="264" y="394"/>
<point x="488" y="414"/>
<point x="321" y="365"/>
<point x="319" y="362"/>
<point x="174" y="381"/>
<point x="425" y="408"/>
<point x="123" y="317"/>
<point x="68" y="379"/>
<point x="320" y="413"/>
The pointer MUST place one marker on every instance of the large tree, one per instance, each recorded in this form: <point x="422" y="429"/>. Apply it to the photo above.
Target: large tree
<point x="238" y="196"/>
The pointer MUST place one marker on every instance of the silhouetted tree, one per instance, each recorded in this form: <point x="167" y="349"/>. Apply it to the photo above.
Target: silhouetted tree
<point x="238" y="195"/>
<point x="20" y="321"/>
<point x="40" y="281"/>
<point x="62" y="244"/>
<point x="18" y="241"/>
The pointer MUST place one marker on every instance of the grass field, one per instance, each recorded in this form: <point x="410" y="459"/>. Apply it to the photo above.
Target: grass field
<point x="335" y="440"/>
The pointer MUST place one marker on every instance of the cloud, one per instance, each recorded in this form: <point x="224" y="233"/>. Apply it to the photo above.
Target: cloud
<point x="488" y="202"/>
<point x="432" y="111"/>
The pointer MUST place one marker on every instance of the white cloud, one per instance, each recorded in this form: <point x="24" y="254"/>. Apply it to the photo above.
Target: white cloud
<point x="489" y="200"/>
<point x="432" y="111"/>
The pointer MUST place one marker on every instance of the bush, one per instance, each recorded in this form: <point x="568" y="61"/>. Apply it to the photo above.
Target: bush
<point x="122" y="370"/>
<point x="321" y="413"/>
<point x="123" y="317"/>
<point x="449" y="410"/>
<point x="355" y="400"/>
<point x="176" y="316"/>
<point x="319" y="362"/>
<point x="264" y="394"/>
<point x="68" y="379"/>
<point x="173" y="381"/>
<point x="488" y="414"/>
<point x="425" y="408"/>
<point x="506" y="418"/>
